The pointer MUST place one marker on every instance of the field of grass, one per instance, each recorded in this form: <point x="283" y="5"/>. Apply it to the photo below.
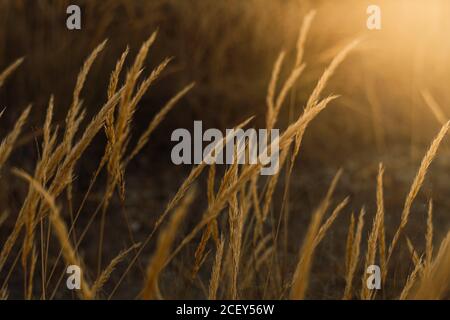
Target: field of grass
<point x="86" y="177"/>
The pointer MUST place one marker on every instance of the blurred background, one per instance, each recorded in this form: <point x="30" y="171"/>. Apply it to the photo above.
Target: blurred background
<point x="393" y="89"/>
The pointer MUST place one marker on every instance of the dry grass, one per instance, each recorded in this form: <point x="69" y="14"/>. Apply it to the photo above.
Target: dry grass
<point x="415" y="186"/>
<point x="157" y="263"/>
<point x="241" y="218"/>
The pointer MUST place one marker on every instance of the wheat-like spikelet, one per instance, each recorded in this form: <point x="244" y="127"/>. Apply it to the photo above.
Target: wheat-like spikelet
<point x="297" y="128"/>
<point x="354" y="256"/>
<point x="271" y="186"/>
<point x="270" y="98"/>
<point x="125" y="110"/>
<point x="429" y="235"/>
<point x="382" y="235"/>
<point x="256" y="207"/>
<point x="327" y="224"/>
<point x="106" y="273"/>
<point x="417" y="183"/>
<point x="300" y="49"/>
<point x="8" y="143"/>
<point x="60" y="229"/>
<point x="303" y="33"/>
<point x="413" y="252"/>
<point x="5" y="150"/>
<point x="8" y="71"/>
<point x="259" y="251"/>
<point x="373" y="237"/>
<point x="193" y="175"/>
<point x="274" y="107"/>
<point x="328" y="73"/>
<point x="4" y="294"/>
<point x="236" y="225"/>
<point x="411" y="281"/>
<point x="215" y="273"/>
<point x="29" y="291"/>
<point x="65" y="170"/>
<point x="349" y="243"/>
<point x="300" y="279"/>
<point x="287" y="86"/>
<point x="301" y="276"/>
<point x="118" y="140"/>
<point x="436" y="278"/>
<point x="145" y="85"/>
<point x="112" y="88"/>
<point x="211" y="229"/>
<point x="223" y="196"/>
<point x="114" y="78"/>
<point x="73" y="118"/>
<point x="157" y="120"/>
<point x="29" y="209"/>
<point x="315" y="95"/>
<point x="166" y="238"/>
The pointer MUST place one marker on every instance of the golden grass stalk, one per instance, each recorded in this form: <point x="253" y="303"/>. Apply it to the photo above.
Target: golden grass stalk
<point x="224" y="195"/>
<point x="259" y="252"/>
<point x="236" y="225"/>
<point x="114" y="78"/>
<point x="60" y="229"/>
<point x="411" y="281"/>
<point x="297" y="128"/>
<point x="125" y="110"/>
<point x="112" y="88"/>
<point x="8" y="143"/>
<point x="106" y="273"/>
<point x="165" y="240"/>
<point x="382" y="240"/>
<point x="354" y="256"/>
<point x="29" y="293"/>
<point x="270" y="98"/>
<point x="373" y="237"/>
<point x="117" y="141"/>
<point x="328" y="223"/>
<point x="436" y="277"/>
<point x="303" y="33"/>
<point x="287" y="86"/>
<point x="5" y="150"/>
<point x="8" y="71"/>
<point x="4" y="294"/>
<point x="29" y="208"/>
<point x="193" y="175"/>
<point x="315" y="95"/>
<point x="211" y="229"/>
<point x="349" y="243"/>
<point x="216" y="271"/>
<point x="300" y="279"/>
<point x="274" y="107"/>
<point x="328" y="73"/>
<point x="73" y="118"/>
<point x="416" y="185"/>
<point x="429" y="235"/>
<point x="157" y="120"/>
<point x="64" y="172"/>
<point x="414" y="256"/>
<point x="380" y="208"/>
